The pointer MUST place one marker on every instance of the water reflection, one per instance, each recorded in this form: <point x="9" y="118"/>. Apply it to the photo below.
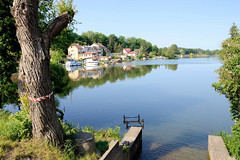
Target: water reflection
<point x="96" y="76"/>
<point x="94" y="72"/>
<point x="172" y="67"/>
<point x="177" y="102"/>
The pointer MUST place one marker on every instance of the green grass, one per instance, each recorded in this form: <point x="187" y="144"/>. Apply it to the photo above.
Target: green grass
<point x="232" y="141"/>
<point x="16" y="141"/>
<point x="104" y="137"/>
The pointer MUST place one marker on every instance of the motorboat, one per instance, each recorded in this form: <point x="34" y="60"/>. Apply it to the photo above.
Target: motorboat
<point x="91" y="67"/>
<point x="91" y="62"/>
<point x="72" y="68"/>
<point x="72" y="62"/>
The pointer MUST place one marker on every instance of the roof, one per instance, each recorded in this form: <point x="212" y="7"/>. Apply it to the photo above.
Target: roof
<point x="76" y="45"/>
<point x="99" y="44"/>
<point x="127" y="49"/>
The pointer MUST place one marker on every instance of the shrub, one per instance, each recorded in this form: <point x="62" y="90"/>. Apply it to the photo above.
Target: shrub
<point x="15" y="126"/>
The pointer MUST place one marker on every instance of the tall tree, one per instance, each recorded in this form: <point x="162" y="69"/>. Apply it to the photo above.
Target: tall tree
<point x="112" y="39"/>
<point x="122" y="41"/>
<point x="34" y="68"/>
<point x="155" y="48"/>
<point x="144" y="47"/>
<point x="172" y="50"/>
<point x="234" y="31"/>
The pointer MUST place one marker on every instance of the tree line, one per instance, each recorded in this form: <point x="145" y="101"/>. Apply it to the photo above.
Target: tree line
<point x="116" y="44"/>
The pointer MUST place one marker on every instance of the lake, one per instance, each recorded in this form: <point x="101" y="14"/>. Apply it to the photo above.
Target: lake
<point x="174" y="97"/>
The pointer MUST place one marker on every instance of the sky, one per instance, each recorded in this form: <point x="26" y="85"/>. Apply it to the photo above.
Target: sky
<point x="186" y="23"/>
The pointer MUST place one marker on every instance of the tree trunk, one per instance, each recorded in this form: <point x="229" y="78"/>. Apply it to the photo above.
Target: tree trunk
<point x="34" y="68"/>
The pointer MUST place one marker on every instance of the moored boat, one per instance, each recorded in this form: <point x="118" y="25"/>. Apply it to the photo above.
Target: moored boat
<point x="72" y="62"/>
<point x="91" y="62"/>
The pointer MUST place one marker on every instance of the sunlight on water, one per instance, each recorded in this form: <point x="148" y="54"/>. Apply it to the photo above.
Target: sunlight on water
<point x="175" y="98"/>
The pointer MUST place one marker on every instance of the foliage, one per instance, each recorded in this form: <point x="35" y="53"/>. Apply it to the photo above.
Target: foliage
<point x="69" y="130"/>
<point x="103" y="137"/>
<point x="102" y="146"/>
<point x="62" y="41"/>
<point x="15" y="126"/>
<point x="145" y="47"/>
<point x="66" y="6"/>
<point x="125" y="147"/>
<point x="30" y="149"/>
<point x="59" y="78"/>
<point x="104" y="53"/>
<point x="229" y="77"/>
<point x="109" y="133"/>
<point x="229" y="85"/>
<point x="172" y="51"/>
<point x="56" y="56"/>
<point x="46" y="13"/>
<point x="234" y="31"/>
<point x="9" y="48"/>
<point x="10" y="93"/>
<point x="232" y="141"/>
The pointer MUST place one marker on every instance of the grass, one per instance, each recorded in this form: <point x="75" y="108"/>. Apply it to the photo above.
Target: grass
<point x="104" y="137"/>
<point x="16" y="141"/>
<point x="232" y="142"/>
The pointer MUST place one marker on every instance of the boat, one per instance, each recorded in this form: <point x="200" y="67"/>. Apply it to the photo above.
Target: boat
<point x="72" y="62"/>
<point x="72" y="68"/>
<point x="91" y="67"/>
<point x="91" y="62"/>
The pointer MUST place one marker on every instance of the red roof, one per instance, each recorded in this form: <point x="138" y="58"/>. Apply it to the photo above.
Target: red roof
<point x="76" y="45"/>
<point x="127" y="49"/>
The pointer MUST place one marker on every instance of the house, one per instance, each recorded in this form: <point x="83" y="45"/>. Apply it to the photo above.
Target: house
<point x="100" y="48"/>
<point x="129" y="52"/>
<point x="76" y="51"/>
<point x="126" y="50"/>
<point x="73" y="51"/>
<point x="132" y="54"/>
<point x="86" y="55"/>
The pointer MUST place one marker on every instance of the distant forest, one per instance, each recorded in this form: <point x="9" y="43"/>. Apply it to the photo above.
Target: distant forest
<point x="116" y="44"/>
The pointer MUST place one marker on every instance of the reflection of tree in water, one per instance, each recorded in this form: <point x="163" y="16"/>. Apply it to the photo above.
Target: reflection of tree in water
<point x="112" y="75"/>
<point x="172" y="67"/>
<point x="105" y="75"/>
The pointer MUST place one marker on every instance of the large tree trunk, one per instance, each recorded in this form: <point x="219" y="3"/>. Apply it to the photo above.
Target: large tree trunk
<point x="34" y="69"/>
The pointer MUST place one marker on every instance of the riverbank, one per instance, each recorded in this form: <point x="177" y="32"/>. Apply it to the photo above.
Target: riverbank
<point x="16" y="141"/>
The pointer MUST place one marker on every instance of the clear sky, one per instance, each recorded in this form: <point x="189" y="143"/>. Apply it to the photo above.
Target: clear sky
<point x="187" y="23"/>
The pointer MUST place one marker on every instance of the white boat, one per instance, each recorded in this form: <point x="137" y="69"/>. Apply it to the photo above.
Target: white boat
<point x="91" y="62"/>
<point x="91" y="67"/>
<point x="71" y="62"/>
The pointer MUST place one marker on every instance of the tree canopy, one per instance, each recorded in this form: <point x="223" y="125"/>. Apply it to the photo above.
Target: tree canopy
<point x="234" y="31"/>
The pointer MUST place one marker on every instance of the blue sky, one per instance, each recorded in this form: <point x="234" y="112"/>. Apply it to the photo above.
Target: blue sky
<point x="187" y="23"/>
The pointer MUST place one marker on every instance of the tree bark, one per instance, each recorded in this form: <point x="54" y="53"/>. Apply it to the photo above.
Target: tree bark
<point x="34" y="67"/>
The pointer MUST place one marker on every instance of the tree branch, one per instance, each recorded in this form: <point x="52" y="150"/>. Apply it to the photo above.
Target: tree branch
<point x="58" y="25"/>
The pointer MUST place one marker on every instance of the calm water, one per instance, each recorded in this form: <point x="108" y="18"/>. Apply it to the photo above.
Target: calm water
<point x="174" y="97"/>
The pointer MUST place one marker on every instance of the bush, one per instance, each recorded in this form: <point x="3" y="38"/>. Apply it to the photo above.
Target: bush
<point x="15" y="126"/>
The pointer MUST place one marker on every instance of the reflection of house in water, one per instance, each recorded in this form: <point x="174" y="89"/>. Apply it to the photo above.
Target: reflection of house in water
<point x="87" y="72"/>
<point x="128" y="68"/>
